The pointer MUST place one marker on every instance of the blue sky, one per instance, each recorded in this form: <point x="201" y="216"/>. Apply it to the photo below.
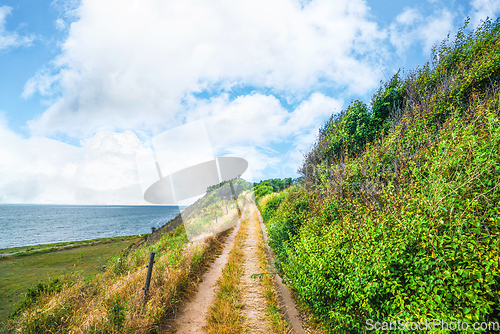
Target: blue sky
<point x="85" y="84"/>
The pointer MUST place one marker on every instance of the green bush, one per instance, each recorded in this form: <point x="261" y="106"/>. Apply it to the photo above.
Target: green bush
<point x="117" y="314"/>
<point x="272" y="185"/>
<point x="34" y="294"/>
<point x="48" y="322"/>
<point x="288" y="212"/>
<point x="262" y="190"/>
<point x="272" y="206"/>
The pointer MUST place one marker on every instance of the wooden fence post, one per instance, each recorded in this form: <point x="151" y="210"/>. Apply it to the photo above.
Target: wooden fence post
<point x="148" y="275"/>
<point x="235" y="198"/>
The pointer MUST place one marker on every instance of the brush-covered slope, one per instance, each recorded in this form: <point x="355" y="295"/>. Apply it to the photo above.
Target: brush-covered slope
<point x="398" y="214"/>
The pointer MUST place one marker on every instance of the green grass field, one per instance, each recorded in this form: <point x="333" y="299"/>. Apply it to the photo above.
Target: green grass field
<point x="29" y="265"/>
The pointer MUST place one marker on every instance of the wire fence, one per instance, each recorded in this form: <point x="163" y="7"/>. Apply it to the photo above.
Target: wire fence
<point x="95" y="303"/>
<point x="149" y="268"/>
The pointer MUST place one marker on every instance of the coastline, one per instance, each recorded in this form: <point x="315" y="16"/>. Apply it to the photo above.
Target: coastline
<point x="22" y="267"/>
<point x="58" y="246"/>
<point x="33" y="225"/>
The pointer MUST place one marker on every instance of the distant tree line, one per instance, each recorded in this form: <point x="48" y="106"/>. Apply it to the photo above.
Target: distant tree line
<point x="269" y="186"/>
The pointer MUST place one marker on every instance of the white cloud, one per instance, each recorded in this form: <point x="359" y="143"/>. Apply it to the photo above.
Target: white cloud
<point x="42" y="170"/>
<point x="259" y="119"/>
<point x="409" y="16"/>
<point x="182" y="147"/>
<point x="481" y="9"/>
<point x="246" y="125"/>
<point x="437" y="28"/>
<point x="312" y="112"/>
<point x="139" y="65"/>
<point x="412" y="27"/>
<point x="255" y="119"/>
<point x="60" y="24"/>
<point x="68" y="11"/>
<point x="41" y="82"/>
<point x="257" y="160"/>
<point x="109" y="161"/>
<point x="104" y="169"/>
<point x="10" y="39"/>
<point x="128" y="64"/>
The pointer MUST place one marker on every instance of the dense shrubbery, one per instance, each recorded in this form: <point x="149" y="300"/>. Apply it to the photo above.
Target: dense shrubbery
<point x="399" y="214"/>
<point x="272" y="185"/>
<point x="348" y="132"/>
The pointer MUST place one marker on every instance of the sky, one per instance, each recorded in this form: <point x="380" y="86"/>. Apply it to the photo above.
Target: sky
<point x="86" y="86"/>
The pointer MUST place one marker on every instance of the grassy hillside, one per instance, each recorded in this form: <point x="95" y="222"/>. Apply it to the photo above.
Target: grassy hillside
<point x="113" y="301"/>
<point x="26" y="266"/>
<point x="216" y="211"/>
<point x="397" y="216"/>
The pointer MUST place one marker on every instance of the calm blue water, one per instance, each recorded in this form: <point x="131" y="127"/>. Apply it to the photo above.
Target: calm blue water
<point x="26" y="225"/>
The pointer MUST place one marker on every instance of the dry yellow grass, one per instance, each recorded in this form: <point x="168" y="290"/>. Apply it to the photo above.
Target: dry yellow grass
<point x="225" y="316"/>
<point x="112" y="302"/>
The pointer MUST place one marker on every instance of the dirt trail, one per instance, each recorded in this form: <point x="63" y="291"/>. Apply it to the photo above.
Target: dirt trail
<point x="252" y="291"/>
<point x="192" y="317"/>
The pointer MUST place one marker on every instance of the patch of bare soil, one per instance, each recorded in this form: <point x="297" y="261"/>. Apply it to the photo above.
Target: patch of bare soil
<point x="251" y="289"/>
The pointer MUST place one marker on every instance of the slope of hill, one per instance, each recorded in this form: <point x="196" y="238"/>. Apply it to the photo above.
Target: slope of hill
<point x="113" y="301"/>
<point x="397" y="219"/>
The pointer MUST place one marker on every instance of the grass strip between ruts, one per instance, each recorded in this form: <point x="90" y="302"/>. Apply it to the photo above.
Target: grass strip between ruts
<point x="224" y="315"/>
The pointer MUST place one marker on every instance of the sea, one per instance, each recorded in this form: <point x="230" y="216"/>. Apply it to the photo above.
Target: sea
<point x="31" y="224"/>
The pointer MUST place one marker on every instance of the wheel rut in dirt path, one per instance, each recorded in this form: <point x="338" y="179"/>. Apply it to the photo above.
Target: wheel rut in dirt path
<point x="290" y="309"/>
<point x="192" y="318"/>
<point x="251" y="290"/>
